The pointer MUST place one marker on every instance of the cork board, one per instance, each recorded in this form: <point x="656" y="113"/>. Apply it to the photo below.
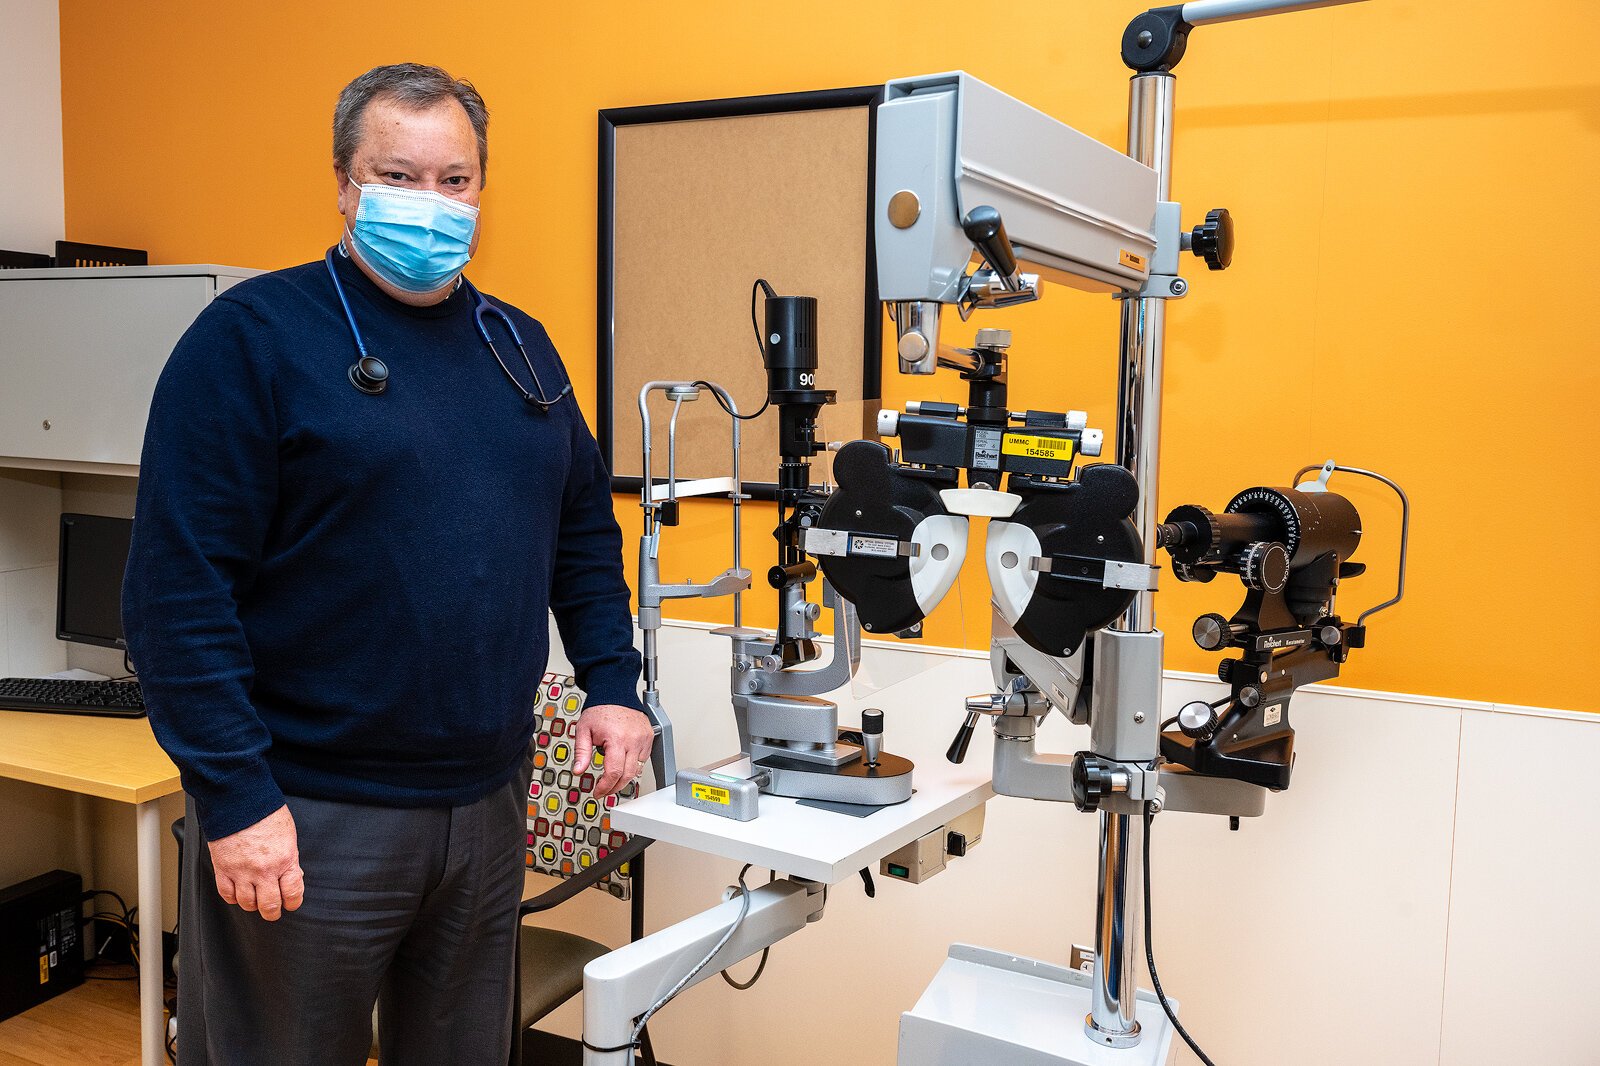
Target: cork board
<point x="699" y="200"/>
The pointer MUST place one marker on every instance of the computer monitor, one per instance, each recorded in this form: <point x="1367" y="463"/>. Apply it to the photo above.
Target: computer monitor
<point x="94" y="554"/>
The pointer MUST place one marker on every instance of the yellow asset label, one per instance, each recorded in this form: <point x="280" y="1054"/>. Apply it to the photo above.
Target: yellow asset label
<point x="1132" y="260"/>
<point x="1032" y="447"/>
<point x="44" y="969"/>
<point x="710" y="794"/>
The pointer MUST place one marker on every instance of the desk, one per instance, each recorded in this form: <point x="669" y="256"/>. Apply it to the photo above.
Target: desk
<point x="116" y="759"/>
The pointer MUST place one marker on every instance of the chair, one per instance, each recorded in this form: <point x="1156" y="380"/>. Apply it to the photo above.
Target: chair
<point x="569" y="836"/>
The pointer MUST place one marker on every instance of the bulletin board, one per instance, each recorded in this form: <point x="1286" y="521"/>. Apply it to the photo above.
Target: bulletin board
<point x="697" y="201"/>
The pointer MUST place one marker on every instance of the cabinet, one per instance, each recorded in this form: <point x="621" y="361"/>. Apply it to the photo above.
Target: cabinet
<point x="80" y="351"/>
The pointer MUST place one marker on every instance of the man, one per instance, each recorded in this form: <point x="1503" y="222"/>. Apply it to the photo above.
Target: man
<point x="337" y="598"/>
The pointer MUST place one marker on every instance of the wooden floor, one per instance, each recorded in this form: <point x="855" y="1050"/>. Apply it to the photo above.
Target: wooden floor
<point x="96" y="1024"/>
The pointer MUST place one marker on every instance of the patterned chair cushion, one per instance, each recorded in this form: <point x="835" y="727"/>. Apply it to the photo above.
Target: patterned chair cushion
<point x="569" y="830"/>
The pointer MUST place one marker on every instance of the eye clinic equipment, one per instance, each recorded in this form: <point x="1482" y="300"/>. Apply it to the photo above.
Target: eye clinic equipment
<point x="1289" y="546"/>
<point x="788" y="736"/>
<point x="831" y="808"/>
<point x="962" y="172"/>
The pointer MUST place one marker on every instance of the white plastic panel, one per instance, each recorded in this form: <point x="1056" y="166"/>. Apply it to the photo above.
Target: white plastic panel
<point x="1523" y="936"/>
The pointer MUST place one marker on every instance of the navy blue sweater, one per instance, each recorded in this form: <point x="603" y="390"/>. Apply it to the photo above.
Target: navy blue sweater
<point x="346" y="596"/>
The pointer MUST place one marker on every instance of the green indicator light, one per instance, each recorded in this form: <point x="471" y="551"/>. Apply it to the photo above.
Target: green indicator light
<point x="896" y="870"/>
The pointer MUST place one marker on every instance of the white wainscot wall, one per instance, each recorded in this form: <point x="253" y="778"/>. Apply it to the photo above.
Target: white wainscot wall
<point x="1421" y="894"/>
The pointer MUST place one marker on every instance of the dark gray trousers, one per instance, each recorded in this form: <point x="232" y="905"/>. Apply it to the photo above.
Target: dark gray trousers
<point x="414" y="909"/>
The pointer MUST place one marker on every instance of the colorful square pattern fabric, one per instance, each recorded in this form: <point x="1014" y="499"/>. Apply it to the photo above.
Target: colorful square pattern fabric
<point x="569" y="830"/>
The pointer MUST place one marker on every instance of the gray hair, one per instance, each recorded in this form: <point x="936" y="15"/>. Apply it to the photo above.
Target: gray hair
<point x="411" y="85"/>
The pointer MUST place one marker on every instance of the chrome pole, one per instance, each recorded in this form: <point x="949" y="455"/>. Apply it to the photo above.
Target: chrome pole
<point x="1144" y="322"/>
<point x="1111" y="1021"/>
<point x="1111" y="1017"/>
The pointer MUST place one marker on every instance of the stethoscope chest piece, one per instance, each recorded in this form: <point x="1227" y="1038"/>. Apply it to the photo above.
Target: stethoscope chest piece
<point x="370" y="375"/>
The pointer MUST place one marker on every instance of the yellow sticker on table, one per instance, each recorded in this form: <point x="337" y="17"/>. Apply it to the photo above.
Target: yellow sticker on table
<point x="710" y="794"/>
<point x="1032" y="447"/>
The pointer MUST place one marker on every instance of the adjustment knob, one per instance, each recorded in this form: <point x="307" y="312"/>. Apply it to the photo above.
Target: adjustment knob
<point x="1212" y="240"/>
<point x="1225" y="670"/>
<point x="1198" y="720"/>
<point x="957" y="751"/>
<point x="1264" y="565"/>
<point x="1093" y="780"/>
<point x="987" y="232"/>
<point x="872" y="734"/>
<point x="1212" y="631"/>
<point x="913" y="347"/>
<point x="999" y="339"/>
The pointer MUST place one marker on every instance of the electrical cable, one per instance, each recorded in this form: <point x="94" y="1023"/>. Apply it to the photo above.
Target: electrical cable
<point x="93" y="892"/>
<point x="761" y="284"/>
<point x="761" y="966"/>
<point x="644" y="1019"/>
<point x="744" y="986"/>
<point x="1150" y="951"/>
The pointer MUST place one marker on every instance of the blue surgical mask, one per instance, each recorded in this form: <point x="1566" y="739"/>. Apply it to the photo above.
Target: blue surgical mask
<point x="417" y="241"/>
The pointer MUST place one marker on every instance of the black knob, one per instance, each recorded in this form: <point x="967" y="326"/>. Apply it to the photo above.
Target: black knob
<point x="369" y="375"/>
<point x="1264" y="565"/>
<point x="1091" y="781"/>
<point x="1225" y="670"/>
<point x="1212" y="240"/>
<point x="958" y="747"/>
<point x="1198" y="720"/>
<point x="985" y="230"/>
<point x="871" y="734"/>
<point x="1212" y="631"/>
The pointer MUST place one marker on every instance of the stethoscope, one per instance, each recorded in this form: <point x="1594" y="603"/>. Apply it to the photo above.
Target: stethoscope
<point x="370" y="375"/>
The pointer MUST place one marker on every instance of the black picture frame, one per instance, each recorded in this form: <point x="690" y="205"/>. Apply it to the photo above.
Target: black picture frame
<point x="868" y="96"/>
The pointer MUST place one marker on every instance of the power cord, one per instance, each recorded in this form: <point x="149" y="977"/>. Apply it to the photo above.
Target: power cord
<point x="760" y="284"/>
<point x="761" y="966"/>
<point x="123" y="917"/>
<point x="1150" y="951"/>
<point x="672" y="993"/>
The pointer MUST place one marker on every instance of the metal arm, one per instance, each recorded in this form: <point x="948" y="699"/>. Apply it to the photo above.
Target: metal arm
<point x="660" y="507"/>
<point x="1157" y="39"/>
<point x="1320" y="484"/>
<point x="1206" y="12"/>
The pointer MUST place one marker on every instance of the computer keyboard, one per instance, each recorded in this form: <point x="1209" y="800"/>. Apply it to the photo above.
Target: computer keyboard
<point x="114" y="699"/>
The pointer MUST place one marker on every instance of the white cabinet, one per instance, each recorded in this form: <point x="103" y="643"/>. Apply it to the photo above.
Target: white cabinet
<point x="80" y="351"/>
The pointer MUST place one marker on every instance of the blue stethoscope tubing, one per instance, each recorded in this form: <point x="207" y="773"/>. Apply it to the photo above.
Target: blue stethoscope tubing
<point x="369" y="368"/>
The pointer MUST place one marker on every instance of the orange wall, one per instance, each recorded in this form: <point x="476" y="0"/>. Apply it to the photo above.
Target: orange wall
<point x="1414" y="289"/>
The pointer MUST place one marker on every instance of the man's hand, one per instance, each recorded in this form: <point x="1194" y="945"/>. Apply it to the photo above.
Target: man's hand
<point x="623" y="734"/>
<point x="258" y="867"/>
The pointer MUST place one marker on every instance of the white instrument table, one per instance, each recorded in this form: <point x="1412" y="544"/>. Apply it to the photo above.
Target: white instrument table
<point x="818" y="844"/>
